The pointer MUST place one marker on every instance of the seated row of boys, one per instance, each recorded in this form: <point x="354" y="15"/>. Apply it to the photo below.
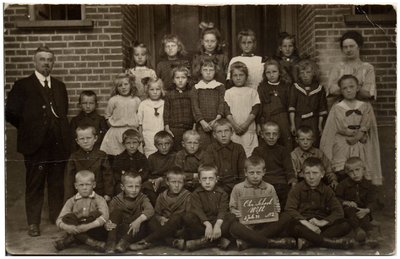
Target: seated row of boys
<point x="314" y="217"/>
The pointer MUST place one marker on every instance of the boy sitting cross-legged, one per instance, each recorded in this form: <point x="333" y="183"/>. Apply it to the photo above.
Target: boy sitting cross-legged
<point x="128" y="212"/>
<point x="317" y="216"/>
<point x="210" y="218"/>
<point x="261" y="234"/>
<point x="83" y="215"/>
<point x="358" y="198"/>
<point x="169" y="218"/>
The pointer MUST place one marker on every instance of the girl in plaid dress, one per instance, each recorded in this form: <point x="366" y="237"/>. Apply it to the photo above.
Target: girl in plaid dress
<point x="207" y="99"/>
<point x="178" y="116"/>
<point x="173" y="54"/>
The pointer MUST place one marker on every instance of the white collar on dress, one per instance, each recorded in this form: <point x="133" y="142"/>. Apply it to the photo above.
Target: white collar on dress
<point x="211" y="85"/>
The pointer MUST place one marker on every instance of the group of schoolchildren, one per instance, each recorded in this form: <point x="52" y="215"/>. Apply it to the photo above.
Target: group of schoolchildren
<point x="169" y="166"/>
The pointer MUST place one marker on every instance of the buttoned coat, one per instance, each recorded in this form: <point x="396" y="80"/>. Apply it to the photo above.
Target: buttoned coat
<point x="28" y="109"/>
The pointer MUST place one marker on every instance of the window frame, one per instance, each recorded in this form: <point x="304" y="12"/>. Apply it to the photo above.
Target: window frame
<point x="32" y="23"/>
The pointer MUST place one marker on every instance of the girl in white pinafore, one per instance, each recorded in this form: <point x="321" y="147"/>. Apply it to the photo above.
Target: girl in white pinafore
<point x="151" y="112"/>
<point x="242" y="104"/>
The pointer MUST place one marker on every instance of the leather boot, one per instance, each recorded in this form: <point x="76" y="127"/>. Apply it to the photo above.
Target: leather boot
<point x="193" y="245"/>
<point x="179" y="243"/>
<point x="370" y="240"/>
<point x="286" y="243"/>
<point x="338" y="243"/>
<point x="64" y="242"/>
<point x="242" y="245"/>
<point x="303" y="244"/>
<point x="98" y="245"/>
<point x="360" y="235"/>
<point x="110" y="247"/>
<point x="224" y="243"/>
<point x="141" y="245"/>
<point x="122" y="246"/>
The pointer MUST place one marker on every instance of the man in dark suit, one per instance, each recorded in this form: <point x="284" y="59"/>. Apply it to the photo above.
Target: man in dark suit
<point x="37" y="106"/>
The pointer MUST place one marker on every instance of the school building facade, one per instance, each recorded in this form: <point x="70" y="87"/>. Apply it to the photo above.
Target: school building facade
<point x="92" y="42"/>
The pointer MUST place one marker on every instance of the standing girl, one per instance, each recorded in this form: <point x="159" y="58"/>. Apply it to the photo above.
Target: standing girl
<point x="210" y="47"/>
<point x="307" y="100"/>
<point x="174" y="52"/>
<point x="274" y="94"/>
<point x="141" y="67"/>
<point x="248" y="43"/>
<point x="121" y="113"/>
<point x="207" y="99"/>
<point x="150" y="113"/>
<point x="178" y="116"/>
<point x="242" y="107"/>
<point x="287" y="54"/>
<point x="352" y="131"/>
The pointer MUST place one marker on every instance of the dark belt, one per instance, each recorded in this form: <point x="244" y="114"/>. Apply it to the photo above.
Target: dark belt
<point x="354" y="127"/>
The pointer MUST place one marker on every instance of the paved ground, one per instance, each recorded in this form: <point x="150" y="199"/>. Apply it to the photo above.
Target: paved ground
<point x="18" y="242"/>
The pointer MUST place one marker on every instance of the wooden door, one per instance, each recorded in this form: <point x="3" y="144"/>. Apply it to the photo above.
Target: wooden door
<point x="156" y="21"/>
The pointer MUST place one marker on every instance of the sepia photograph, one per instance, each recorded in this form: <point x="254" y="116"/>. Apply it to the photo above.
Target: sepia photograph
<point x="172" y="129"/>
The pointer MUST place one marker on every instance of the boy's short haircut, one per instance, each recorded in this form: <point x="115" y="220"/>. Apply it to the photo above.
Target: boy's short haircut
<point x="222" y="122"/>
<point x="270" y="124"/>
<point x="85" y="174"/>
<point x="313" y="161"/>
<point x="346" y="77"/>
<point x="176" y="171"/>
<point x="162" y="135"/>
<point x="353" y="160"/>
<point x="254" y="161"/>
<point x="88" y="93"/>
<point x="130" y="173"/>
<point x="190" y="133"/>
<point x="208" y="167"/>
<point x="85" y="127"/>
<point x="130" y="133"/>
<point x="305" y="129"/>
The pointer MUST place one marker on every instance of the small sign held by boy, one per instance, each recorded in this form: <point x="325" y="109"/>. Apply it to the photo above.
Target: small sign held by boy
<point x="257" y="209"/>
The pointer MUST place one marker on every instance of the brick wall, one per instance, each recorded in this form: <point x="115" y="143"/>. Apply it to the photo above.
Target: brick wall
<point x="86" y="59"/>
<point x="129" y="31"/>
<point x="378" y="49"/>
<point x="306" y="44"/>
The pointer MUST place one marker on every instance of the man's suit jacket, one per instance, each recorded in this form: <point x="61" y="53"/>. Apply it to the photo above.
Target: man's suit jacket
<point x="28" y="109"/>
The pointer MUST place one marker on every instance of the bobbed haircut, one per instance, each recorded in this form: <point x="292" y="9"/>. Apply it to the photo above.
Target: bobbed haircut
<point x="241" y="67"/>
<point x="247" y="33"/>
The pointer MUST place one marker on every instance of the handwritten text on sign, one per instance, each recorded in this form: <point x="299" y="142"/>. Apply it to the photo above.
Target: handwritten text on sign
<point x="257" y="209"/>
